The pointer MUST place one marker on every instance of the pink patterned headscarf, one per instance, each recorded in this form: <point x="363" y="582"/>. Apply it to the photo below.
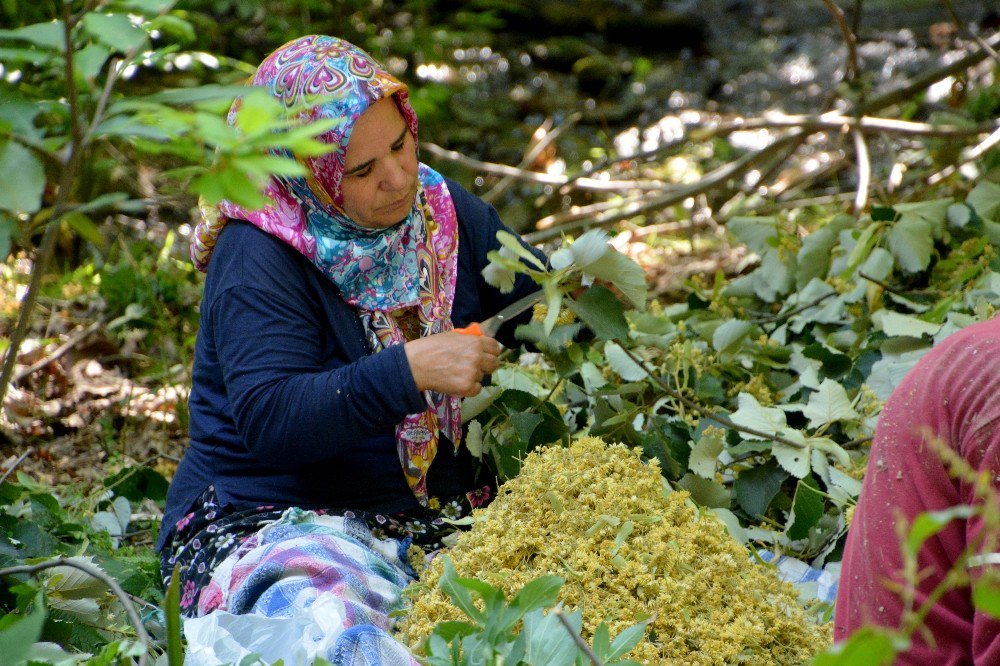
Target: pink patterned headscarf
<point x="409" y="267"/>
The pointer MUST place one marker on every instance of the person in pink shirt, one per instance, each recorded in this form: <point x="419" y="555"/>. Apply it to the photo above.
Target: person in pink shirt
<point x="954" y="392"/>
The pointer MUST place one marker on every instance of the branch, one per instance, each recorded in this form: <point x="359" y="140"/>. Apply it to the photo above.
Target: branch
<point x="534" y="176"/>
<point x="93" y="571"/>
<point x="975" y="35"/>
<point x="59" y="351"/>
<point x="578" y="639"/>
<point x="706" y="413"/>
<point x="923" y="81"/>
<point x="20" y="459"/>
<point x="530" y="157"/>
<point x="864" y="172"/>
<point x="851" y="64"/>
<point x="668" y="198"/>
<point x="969" y="155"/>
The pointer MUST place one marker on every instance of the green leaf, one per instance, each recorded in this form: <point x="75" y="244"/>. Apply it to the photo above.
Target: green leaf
<point x="807" y="509"/>
<point x="705" y="454"/>
<point x="17" y="637"/>
<point x="929" y="523"/>
<point x="829" y="404"/>
<point x="475" y="405"/>
<point x="458" y="594"/>
<point x="542" y="592"/>
<point x="756" y="487"/>
<point x="895" y="323"/>
<point x="601" y="643"/>
<point x="525" y="424"/>
<point x="589" y="247"/>
<point x="622" y="364"/>
<point x="911" y="242"/>
<point x="515" y="245"/>
<point x="114" y="30"/>
<point x="752" y="415"/>
<point x="499" y="276"/>
<point x="866" y="647"/>
<point x="985" y="199"/>
<point x="626" y="640"/>
<point x="602" y="312"/>
<point x="172" y="611"/>
<point x="453" y="629"/>
<point x="813" y="260"/>
<point x="754" y="232"/>
<point x="138" y="483"/>
<point x="206" y="93"/>
<point x="705" y="492"/>
<point x="90" y="60"/>
<point x="71" y="583"/>
<point x="24" y="179"/>
<point x="474" y="439"/>
<point x="553" y="303"/>
<point x="727" y="338"/>
<point x="617" y="269"/>
<point x="46" y="35"/>
<point x="795" y="459"/>
<point x="547" y="641"/>
<point x="986" y="595"/>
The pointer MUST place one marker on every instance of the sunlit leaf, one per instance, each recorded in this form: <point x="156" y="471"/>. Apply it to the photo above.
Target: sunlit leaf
<point x="751" y="414"/>
<point x="868" y="646"/>
<point x="114" y="30"/>
<point x="622" y="364"/>
<point x="795" y="459"/>
<point x="929" y="523"/>
<point x="589" y="247"/>
<point x="985" y="199"/>
<point x="705" y="453"/>
<point x="807" y="509"/>
<point x="46" y="35"/>
<point x="829" y="404"/>
<point x="23" y="181"/>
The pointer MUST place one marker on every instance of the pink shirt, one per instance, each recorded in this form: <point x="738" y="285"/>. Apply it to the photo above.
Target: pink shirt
<point x="955" y="390"/>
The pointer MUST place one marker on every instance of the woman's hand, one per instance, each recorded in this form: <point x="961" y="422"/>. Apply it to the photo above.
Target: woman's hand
<point x="452" y="363"/>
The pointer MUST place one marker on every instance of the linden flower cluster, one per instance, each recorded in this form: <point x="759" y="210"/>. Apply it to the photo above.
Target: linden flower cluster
<point x="563" y="514"/>
<point x="566" y="316"/>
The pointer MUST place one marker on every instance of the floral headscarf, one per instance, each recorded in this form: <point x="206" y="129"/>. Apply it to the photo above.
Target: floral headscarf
<point x="409" y="267"/>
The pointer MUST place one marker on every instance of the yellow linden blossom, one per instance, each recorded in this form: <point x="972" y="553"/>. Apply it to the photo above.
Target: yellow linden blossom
<point x="710" y="603"/>
<point x="755" y="386"/>
<point x="566" y="316"/>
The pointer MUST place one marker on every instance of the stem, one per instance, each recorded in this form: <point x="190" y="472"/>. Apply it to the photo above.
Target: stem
<point x="864" y="172"/>
<point x="851" y="65"/>
<point x="20" y="459"/>
<point x="704" y="412"/>
<point x="578" y="639"/>
<point x="91" y="570"/>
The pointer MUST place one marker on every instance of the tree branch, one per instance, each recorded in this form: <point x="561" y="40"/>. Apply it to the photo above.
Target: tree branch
<point x="133" y="616"/>
<point x="578" y="639"/>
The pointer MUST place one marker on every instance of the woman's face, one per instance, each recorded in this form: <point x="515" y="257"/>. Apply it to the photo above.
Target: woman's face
<point x="380" y="168"/>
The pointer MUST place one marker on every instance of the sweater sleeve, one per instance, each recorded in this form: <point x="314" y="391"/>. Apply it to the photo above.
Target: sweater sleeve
<point x="288" y="409"/>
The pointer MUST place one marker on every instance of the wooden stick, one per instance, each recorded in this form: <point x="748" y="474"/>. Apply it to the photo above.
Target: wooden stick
<point x="59" y="351"/>
<point x="60" y="561"/>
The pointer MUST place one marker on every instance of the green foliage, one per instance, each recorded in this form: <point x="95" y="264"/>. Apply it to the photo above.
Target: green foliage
<point x="758" y="395"/>
<point x="518" y="631"/>
<point x="63" y="614"/>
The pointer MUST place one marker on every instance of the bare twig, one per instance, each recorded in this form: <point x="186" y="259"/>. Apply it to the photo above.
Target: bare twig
<point x="534" y="176"/>
<point x="668" y="198"/>
<point x="962" y="26"/>
<point x="20" y="459"/>
<point x="969" y="155"/>
<point x="921" y="82"/>
<point x="864" y="172"/>
<point x="884" y="285"/>
<point x="781" y="316"/>
<point x="60" y="350"/>
<point x="851" y="63"/>
<point x="578" y="639"/>
<point x="530" y="157"/>
<point x="705" y="412"/>
<point x="133" y="616"/>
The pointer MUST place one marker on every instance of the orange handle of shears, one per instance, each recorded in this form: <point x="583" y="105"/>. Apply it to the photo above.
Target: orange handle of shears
<point x="471" y="329"/>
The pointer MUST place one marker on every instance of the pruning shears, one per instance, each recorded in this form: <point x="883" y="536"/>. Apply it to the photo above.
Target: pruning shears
<point x="490" y="327"/>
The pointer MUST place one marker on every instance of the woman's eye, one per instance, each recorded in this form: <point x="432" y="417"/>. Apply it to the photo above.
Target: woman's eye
<point x="363" y="174"/>
<point x="396" y="147"/>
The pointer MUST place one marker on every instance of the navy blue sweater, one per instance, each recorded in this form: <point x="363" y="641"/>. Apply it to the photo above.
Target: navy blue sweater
<point x="289" y="407"/>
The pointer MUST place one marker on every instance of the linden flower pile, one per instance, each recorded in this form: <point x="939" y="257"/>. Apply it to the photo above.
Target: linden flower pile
<point x="597" y="516"/>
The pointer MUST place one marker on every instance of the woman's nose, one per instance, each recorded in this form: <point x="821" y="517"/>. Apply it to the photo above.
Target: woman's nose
<point x="396" y="176"/>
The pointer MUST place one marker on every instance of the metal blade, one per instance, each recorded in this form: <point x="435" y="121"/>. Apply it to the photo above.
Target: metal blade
<point x="493" y="324"/>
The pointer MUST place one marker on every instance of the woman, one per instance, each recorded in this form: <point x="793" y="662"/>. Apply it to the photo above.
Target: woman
<point x="325" y="407"/>
<point x="950" y="395"/>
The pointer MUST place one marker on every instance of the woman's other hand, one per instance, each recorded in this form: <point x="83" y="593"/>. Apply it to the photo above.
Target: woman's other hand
<point x="452" y="363"/>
